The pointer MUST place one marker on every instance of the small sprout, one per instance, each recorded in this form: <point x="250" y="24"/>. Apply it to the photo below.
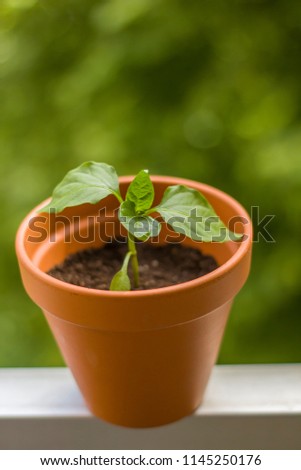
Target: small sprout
<point x="121" y="280"/>
<point x="184" y="209"/>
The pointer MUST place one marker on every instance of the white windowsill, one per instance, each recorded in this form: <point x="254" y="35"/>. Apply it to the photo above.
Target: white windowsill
<point x="246" y="406"/>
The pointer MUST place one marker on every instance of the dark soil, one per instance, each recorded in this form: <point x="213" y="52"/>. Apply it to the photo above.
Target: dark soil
<point x="159" y="266"/>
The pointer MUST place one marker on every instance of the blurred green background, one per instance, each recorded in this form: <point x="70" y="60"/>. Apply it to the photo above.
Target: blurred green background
<point x="208" y="90"/>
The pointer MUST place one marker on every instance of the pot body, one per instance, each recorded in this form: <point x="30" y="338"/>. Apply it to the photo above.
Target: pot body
<point x="145" y="378"/>
<point x="140" y="358"/>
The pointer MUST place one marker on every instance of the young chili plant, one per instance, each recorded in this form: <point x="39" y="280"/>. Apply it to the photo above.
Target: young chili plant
<point x="184" y="209"/>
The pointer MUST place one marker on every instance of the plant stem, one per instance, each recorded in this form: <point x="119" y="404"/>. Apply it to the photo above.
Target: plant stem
<point x="135" y="265"/>
<point x="118" y="196"/>
<point x="126" y="261"/>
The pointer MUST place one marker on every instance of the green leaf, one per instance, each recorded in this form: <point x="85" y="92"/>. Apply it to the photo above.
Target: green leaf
<point x="121" y="281"/>
<point x="127" y="209"/>
<point x="88" y="183"/>
<point x="140" y="226"/>
<point x="141" y="192"/>
<point x="188" y="212"/>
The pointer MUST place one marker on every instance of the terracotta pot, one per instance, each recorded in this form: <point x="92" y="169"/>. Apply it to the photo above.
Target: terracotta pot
<point x="140" y="358"/>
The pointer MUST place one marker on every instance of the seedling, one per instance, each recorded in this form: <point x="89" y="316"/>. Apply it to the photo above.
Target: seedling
<point x="184" y="209"/>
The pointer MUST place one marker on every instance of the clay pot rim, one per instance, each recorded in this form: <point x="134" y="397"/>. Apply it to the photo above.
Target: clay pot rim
<point x="218" y="273"/>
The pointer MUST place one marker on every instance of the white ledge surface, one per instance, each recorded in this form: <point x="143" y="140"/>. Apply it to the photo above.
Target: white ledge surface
<point x="244" y="404"/>
<point x="239" y="389"/>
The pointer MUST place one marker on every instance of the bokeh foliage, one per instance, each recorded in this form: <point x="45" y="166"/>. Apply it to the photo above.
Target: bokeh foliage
<point x="208" y="90"/>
